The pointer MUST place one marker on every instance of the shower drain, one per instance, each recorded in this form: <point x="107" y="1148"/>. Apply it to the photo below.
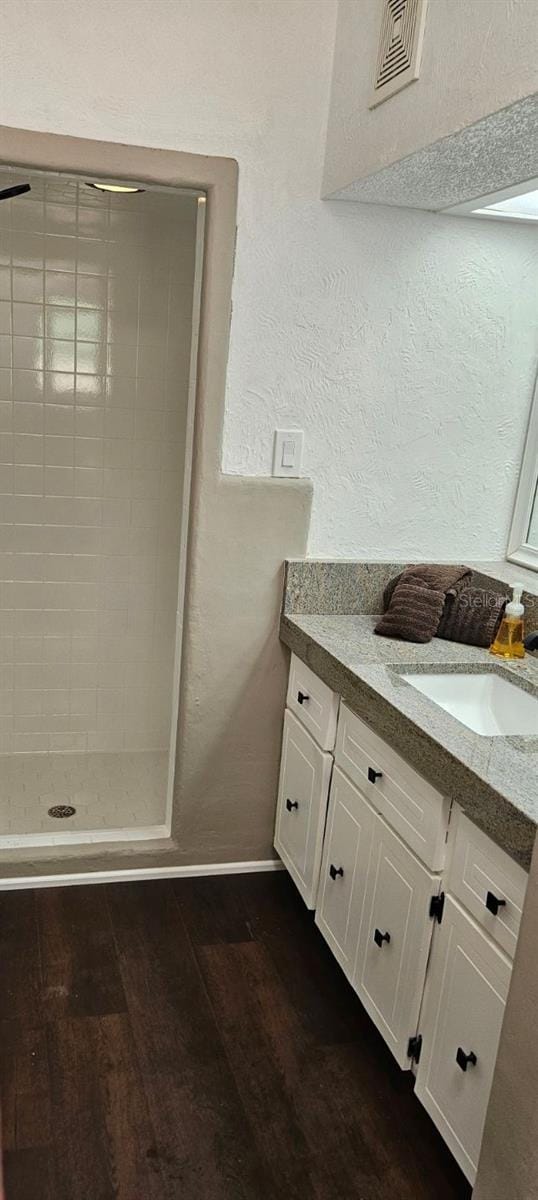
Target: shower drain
<point x="62" y="810"/>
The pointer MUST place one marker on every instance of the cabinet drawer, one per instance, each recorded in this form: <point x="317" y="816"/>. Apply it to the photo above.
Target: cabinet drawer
<point x="305" y="773"/>
<point x="313" y="703"/>
<point x="462" y="1016"/>
<point x="487" y="881"/>
<point x="408" y="802"/>
<point x="344" y="869"/>
<point x="395" y="939"/>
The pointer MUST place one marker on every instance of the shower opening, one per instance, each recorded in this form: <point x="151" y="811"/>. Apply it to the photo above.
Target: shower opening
<point x="99" y="312"/>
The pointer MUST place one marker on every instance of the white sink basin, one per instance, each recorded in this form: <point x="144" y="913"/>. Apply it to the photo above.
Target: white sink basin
<point x="484" y="702"/>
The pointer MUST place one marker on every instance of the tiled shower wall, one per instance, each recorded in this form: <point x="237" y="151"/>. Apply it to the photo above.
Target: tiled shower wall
<point x="95" y="324"/>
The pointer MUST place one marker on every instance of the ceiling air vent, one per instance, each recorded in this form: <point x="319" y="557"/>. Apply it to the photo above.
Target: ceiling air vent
<point x="400" y="47"/>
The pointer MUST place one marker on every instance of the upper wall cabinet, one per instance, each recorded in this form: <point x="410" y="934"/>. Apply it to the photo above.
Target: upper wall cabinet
<point x="431" y="144"/>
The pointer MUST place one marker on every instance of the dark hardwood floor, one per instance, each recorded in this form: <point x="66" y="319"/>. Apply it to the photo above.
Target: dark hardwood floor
<point x="195" y="1039"/>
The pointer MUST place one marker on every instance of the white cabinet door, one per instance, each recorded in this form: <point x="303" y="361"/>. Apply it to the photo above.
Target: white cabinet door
<point x="395" y="939"/>
<point x="344" y="869"/>
<point x="305" y="773"/>
<point x="460" y="1026"/>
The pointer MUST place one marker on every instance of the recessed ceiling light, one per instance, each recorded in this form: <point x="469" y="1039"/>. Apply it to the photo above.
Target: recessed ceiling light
<point x="113" y="187"/>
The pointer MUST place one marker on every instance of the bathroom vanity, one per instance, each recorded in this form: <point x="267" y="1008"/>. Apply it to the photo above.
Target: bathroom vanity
<point x="420" y="906"/>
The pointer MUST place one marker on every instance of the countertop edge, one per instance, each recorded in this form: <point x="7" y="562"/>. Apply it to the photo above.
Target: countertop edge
<point x="495" y="814"/>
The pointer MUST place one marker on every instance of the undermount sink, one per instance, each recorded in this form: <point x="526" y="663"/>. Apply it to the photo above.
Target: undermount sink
<point x="482" y="701"/>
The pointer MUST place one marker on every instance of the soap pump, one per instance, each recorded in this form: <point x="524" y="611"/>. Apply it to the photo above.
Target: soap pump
<point x="509" y="639"/>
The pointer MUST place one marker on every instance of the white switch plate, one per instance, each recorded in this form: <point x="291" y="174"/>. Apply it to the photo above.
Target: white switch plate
<point x="288" y="453"/>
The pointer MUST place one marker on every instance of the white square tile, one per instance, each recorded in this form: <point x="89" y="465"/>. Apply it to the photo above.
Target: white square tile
<point x="28" y="480"/>
<point x="5" y="317"/>
<point x="27" y="449"/>
<point x="60" y="322"/>
<point x="5" y="283"/>
<point x="59" y="387"/>
<point x="90" y="389"/>
<point x="28" y="320"/>
<point x="88" y="481"/>
<point x="60" y="253"/>
<point x="27" y="285"/>
<point x="60" y="288"/>
<point x="90" y="325"/>
<point x="59" y="481"/>
<point x="59" y="451"/>
<point x="59" y="419"/>
<point x="59" y="355"/>
<point x="6" y="351"/>
<point x="91" y="291"/>
<point x="28" y="418"/>
<point x="27" y="250"/>
<point x="90" y="421"/>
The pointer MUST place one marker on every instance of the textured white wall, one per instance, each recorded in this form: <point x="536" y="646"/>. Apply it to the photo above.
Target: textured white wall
<point x="404" y="344"/>
<point x="479" y="56"/>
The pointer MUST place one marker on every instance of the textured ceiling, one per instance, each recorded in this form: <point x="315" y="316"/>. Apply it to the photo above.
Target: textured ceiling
<point x="495" y="153"/>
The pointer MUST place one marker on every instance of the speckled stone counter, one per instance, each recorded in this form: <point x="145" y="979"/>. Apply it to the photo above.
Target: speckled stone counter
<point x="494" y="779"/>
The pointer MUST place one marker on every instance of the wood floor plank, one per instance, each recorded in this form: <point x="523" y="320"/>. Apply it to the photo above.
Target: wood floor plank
<point x="213" y="910"/>
<point x="78" y="956"/>
<point x="377" y="1105"/>
<point x="24" y="1086"/>
<point x="28" y="1175"/>
<point x="316" y="987"/>
<point x="203" y="1139"/>
<point x="103" y="1136"/>
<point x="269" y="1055"/>
<point x="20" y="974"/>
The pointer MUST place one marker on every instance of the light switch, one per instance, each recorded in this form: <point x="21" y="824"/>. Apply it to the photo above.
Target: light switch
<point x="288" y="452"/>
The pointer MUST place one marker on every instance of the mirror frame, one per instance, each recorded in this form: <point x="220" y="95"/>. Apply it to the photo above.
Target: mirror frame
<point x="519" y="549"/>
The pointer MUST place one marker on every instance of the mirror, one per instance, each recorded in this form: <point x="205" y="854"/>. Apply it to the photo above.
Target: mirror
<point x="523" y="539"/>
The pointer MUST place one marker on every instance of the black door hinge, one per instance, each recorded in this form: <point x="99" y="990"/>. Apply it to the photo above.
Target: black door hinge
<point x="414" y="1047"/>
<point x="437" y="904"/>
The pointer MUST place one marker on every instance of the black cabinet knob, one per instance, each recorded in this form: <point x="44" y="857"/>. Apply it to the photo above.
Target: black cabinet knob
<point x="464" y="1059"/>
<point x="373" y="775"/>
<point x="291" y="804"/>
<point x="379" y="937"/>
<point x="301" y="697"/>
<point x="334" y="871"/>
<point x="493" y="903"/>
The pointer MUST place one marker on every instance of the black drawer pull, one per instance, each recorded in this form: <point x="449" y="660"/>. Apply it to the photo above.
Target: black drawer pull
<point x="334" y="871"/>
<point x="379" y="937"/>
<point x="464" y="1059"/>
<point x="301" y="697"/>
<point x="493" y="903"/>
<point x="373" y="775"/>
<point x="290" y="804"/>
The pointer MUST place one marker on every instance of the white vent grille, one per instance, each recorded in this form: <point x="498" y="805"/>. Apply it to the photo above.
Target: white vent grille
<point x="400" y="47"/>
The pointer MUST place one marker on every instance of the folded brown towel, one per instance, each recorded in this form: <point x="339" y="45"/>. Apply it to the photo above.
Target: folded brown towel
<point x="414" y="600"/>
<point x="440" y="576"/>
<point x="472" y="616"/>
<point x="414" y="612"/>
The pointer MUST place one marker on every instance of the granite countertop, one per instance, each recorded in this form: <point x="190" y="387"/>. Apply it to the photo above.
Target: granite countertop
<point x="494" y="779"/>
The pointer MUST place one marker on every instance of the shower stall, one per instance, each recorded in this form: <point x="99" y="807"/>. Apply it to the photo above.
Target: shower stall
<point x="99" y="307"/>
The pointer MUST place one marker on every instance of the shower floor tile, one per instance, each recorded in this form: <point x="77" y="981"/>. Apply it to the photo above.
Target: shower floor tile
<point x="123" y="790"/>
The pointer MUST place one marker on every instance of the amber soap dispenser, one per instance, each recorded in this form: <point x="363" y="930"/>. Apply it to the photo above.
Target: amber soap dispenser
<point x="509" y="639"/>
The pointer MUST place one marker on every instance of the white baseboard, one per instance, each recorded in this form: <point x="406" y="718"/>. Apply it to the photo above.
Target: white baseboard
<point x="135" y="874"/>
